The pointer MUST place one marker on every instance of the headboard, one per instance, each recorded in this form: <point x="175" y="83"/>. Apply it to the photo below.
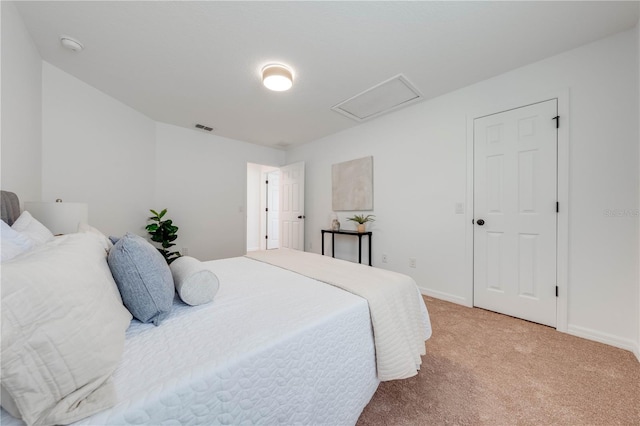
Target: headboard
<point x="10" y="207"/>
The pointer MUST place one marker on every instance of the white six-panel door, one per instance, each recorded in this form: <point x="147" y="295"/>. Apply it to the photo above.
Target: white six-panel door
<point x="292" y="206"/>
<point x="515" y="195"/>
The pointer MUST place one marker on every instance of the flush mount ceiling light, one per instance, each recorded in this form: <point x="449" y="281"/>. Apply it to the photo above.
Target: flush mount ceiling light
<point x="277" y="77"/>
<point x="71" y="43"/>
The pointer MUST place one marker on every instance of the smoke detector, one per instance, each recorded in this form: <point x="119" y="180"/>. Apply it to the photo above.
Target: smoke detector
<point x="71" y="43"/>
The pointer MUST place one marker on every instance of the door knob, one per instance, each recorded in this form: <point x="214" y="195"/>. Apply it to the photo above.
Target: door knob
<point x="301" y="217"/>
<point x="480" y="222"/>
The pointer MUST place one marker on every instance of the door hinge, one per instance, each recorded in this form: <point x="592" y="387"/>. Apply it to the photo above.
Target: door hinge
<point x="267" y="182"/>
<point x="266" y="237"/>
<point x="267" y="209"/>
<point x="556" y="291"/>
<point x="557" y="118"/>
<point x="557" y="207"/>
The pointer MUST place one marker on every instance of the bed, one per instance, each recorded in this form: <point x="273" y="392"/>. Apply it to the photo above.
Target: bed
<point x="273" y="347"/>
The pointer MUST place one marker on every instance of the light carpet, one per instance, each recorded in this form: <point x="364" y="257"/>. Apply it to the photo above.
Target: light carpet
<point x="483" y="368"/>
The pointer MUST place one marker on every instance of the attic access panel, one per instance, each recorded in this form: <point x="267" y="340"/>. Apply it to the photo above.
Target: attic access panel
<point x="397" y="92"/>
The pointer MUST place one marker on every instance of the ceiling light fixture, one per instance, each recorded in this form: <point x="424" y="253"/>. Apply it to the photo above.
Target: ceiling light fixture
<point x="277" y="77"/>
<point x="71" y="43"/>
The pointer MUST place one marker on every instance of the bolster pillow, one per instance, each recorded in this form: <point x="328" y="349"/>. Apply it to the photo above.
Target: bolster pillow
<point x="195" y="284"/>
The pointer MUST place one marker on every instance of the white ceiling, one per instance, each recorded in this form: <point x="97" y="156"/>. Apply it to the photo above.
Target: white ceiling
<point x="198" y="62"/>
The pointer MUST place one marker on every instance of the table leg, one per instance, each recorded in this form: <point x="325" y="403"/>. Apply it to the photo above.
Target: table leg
<point x="369" y="249"/>
<point x="323" y="243"/>
<point x="359" y="248"/>
<point x="333" y="245"/>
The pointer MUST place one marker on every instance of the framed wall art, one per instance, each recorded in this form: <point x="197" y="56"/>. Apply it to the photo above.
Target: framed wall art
<point x="352" y="185"/>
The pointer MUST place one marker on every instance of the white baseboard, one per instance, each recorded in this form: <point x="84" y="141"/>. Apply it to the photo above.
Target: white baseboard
<point x="445" y="296"/>
<point x="585" y="333"/>
<point x="606" y="338"/>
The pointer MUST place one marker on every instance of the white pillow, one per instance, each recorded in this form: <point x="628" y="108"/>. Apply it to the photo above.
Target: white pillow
<point x="13" y="243"/>
<point x="63" y="331"/>
<point x="28" y="226"/>
<point x="106" y="242"/>
<point x="195" y="284"/>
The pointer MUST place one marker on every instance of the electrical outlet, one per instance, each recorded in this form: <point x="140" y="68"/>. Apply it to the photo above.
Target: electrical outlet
<point x="412" y="262"/>
<point x="385" y="258"/>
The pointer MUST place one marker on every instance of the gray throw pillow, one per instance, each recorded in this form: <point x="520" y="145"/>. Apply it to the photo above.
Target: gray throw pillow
<point x="143" y="278"/>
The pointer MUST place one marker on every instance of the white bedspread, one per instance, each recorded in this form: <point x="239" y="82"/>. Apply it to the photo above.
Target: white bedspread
<point x="272" y="348"/>
<point x="398" y="314"/>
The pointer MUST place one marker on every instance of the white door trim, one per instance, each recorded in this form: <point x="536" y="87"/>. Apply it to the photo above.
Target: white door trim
<point x="563" y="196"/>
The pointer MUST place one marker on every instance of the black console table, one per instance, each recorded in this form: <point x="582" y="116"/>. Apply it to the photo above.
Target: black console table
<point x="341" y="232"/>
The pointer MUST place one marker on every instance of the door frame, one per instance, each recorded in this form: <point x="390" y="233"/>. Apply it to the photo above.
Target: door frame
<point x="562" y="274"/>
<point x="264" y="221"/>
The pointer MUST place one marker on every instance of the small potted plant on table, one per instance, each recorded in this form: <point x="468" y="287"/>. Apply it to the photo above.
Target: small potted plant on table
<point x="361" y="220"/>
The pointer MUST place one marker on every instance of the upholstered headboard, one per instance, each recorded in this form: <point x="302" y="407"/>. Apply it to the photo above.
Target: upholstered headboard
<point x="10" y="206"/>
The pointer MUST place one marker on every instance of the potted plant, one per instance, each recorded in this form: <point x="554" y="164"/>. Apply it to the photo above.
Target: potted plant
<point x="361" y="220"/>
<point x="163" y="232"/>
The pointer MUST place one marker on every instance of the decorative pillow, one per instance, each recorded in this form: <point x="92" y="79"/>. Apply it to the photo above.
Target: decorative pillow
<point x="143" y="278"/>
<point x="86" y="228"/>
<point x="13" y="243"/>
<point x="28" y="226"/>
<point x="63" y="332"/>
<point x="195" y="284"/>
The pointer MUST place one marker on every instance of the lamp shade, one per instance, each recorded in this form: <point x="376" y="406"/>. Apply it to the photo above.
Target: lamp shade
<point x="59" y="217"/>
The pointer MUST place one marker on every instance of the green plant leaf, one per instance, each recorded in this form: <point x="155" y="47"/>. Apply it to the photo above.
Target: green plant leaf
<point x="163" y="232"/>
<point x="361" y="218"/>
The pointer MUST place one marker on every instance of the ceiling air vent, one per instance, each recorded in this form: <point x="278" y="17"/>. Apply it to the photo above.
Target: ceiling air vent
<point x="397" y="92"/>
<point x="203" y="127"/>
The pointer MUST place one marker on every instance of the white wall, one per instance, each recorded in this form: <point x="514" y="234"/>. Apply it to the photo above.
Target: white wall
<point x="420" y="172"/>
<point x="96" y="150"/>
<point x="202" y="180"/>
<point x="21" y="108"/>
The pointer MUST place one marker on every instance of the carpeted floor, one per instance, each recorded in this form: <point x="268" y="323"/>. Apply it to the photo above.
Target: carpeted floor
<point x="490" y="369"/>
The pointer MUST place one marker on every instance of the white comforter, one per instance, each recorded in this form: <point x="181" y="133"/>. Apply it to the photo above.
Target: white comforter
<point x="272" y="348"/>
<point x="398" y="314"/>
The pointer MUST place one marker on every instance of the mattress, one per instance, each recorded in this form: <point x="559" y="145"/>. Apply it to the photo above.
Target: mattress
<point x="272" y="348"/>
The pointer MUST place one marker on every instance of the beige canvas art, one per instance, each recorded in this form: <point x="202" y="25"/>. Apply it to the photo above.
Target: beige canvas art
<point x="352" y="185"/>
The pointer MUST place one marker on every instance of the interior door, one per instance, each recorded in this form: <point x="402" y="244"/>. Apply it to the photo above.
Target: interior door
<point x="515" y="212"/>
<point x="292" y="206"/>
<point x="273" y="209"/>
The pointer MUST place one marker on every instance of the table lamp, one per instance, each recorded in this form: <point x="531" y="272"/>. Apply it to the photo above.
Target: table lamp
<point x="59" y="217"/>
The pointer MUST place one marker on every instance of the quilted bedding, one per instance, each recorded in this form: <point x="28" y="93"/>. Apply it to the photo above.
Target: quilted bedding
<point x="272" y="348"/>
<point x="398" y="314"/>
